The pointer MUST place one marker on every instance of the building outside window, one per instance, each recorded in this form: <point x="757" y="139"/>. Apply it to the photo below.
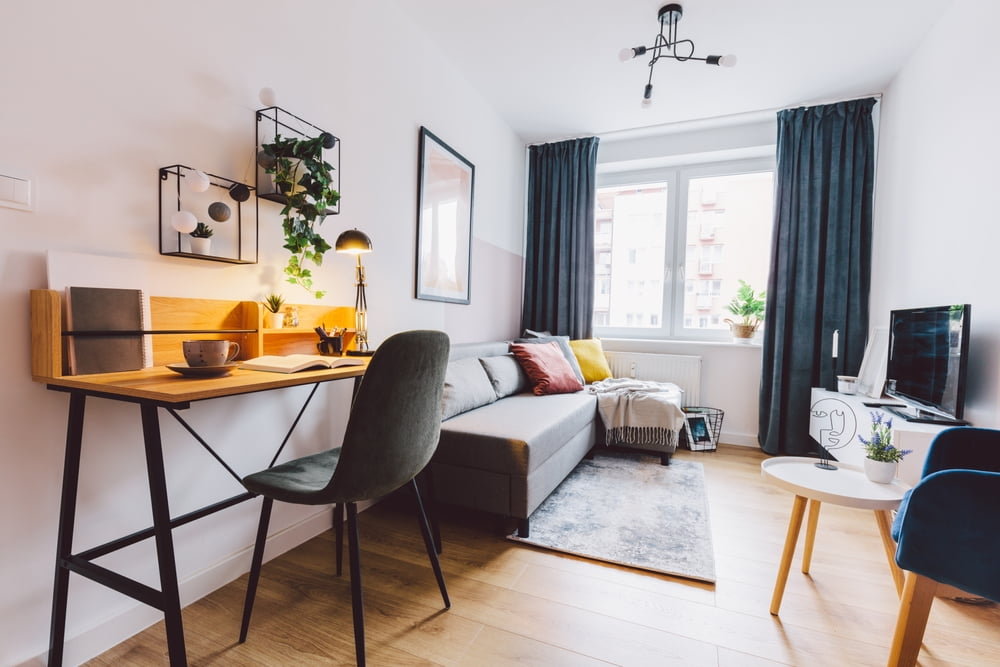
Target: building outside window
<point x="672" y="245"/>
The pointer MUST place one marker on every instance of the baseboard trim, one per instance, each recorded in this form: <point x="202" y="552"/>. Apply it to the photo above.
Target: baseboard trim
<point x="740" y="439"/>
<point x="111" y="631"/>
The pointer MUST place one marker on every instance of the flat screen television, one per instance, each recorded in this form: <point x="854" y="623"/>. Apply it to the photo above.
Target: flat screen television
<point x="928" y="360"/>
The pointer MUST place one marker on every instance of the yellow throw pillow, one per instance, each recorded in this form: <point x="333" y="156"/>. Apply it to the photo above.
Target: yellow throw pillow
<point x="590" y="355"/>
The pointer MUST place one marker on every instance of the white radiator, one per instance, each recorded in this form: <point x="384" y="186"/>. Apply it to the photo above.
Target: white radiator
<point x="681" y="369"/>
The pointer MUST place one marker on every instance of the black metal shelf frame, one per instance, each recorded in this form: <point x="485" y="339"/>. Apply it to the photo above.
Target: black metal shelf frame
<point x="241" y="250"/>
<point x="274" y="121"/>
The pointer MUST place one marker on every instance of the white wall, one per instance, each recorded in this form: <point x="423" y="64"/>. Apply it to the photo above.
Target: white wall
<point x="95" y="98"/>
<point x="935" y="224"/>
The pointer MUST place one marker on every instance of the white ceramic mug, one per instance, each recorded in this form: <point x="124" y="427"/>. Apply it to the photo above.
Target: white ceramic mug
<point x="210" y="352"/>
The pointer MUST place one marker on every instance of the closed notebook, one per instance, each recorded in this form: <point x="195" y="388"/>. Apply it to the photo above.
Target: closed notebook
<point x="104" y="310"/>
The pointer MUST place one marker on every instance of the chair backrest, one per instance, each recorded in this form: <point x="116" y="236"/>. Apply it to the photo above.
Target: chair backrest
<point x="395" y="418"/>
<point x="964" y="447"/>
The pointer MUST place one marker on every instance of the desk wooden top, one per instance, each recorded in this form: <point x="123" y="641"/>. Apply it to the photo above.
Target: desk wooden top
<point x="162" y="385"/>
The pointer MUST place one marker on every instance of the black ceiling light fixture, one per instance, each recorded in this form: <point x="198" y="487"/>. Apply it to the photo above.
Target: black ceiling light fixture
<point x="666" y="45"/>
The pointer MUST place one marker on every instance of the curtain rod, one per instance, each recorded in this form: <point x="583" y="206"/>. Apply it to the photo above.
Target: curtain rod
<point x="725" y="119"/>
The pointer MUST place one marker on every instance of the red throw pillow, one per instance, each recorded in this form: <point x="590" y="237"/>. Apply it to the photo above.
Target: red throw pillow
<point x="546" y="366"/>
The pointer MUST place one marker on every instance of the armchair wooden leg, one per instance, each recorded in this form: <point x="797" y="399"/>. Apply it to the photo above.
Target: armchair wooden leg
<point x="914" y="608"/>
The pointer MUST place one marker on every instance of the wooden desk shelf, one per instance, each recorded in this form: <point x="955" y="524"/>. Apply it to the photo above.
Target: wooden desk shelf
<point x="176" y="319"/>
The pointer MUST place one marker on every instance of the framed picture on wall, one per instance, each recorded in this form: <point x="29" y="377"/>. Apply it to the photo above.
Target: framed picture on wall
<point x="444" y="222"/>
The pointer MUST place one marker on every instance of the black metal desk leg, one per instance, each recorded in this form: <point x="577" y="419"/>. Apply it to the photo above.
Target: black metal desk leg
<point x="67" y="517"/>
<point x="164" y="539"/>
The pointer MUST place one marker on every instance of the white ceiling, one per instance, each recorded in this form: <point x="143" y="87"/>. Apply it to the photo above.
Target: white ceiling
<point x="551" y="68"/>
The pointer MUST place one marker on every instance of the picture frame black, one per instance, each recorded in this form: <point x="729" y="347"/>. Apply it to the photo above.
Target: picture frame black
<point x="445" y="190"/>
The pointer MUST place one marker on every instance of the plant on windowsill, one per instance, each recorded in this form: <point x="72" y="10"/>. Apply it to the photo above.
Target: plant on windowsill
<point x="881" y="457"/>
<point x="274" y="318"/>
<point x="201" y="239"/>
<point x="747" y="305"/>
<point x="305" y="180"/>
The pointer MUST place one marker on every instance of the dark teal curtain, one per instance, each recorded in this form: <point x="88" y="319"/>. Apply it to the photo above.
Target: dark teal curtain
<point x="820" y="264"/>
<point x="559" y="253"/>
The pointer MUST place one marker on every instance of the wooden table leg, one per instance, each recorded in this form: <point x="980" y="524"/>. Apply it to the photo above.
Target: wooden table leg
<point x="884" y="520"/>
<point x="794" y="524"/>
<point x="807" y="552"/>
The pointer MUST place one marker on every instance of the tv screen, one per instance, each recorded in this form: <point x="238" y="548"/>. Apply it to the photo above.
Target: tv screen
<point x="928" y="357"/>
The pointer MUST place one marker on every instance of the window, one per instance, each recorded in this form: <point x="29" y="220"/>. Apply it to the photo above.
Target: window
<point x="674" y="244"/>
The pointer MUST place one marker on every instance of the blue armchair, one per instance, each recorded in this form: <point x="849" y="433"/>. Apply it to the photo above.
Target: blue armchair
<point x="948" y="530"/>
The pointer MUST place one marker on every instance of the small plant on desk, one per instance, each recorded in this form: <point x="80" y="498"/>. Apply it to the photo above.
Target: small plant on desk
<point x="272" y="304"/>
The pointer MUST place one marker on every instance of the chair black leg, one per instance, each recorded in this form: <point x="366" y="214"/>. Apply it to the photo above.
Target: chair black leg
<point x="357" y="602"/>
<point x="427" y="476"/>
<point x="523" y="529"/>
<point x="338" y="530"/>
<point x="429" y="545"/>
<point x="255" y="564"/>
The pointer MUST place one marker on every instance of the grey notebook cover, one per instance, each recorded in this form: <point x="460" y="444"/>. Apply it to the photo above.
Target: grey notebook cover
<point x="104" y="309"/>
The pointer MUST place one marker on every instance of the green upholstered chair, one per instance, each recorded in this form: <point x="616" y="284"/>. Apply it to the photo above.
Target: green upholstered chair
<point x="391" y="434"/>
<point x="947" y="530"/>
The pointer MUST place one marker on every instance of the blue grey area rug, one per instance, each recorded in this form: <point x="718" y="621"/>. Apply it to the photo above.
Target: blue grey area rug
<point x="630" y="510"/>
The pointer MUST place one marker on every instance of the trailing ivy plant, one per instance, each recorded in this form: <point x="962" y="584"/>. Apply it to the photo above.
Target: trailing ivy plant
<point x="305" y="179"/>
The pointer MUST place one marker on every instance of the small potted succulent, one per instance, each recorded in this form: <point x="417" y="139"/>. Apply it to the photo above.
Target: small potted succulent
<point x="881" y="457"/>
<point x="201" y="239"/>
<point x="748" y="306"/>
<point x="274" y="318"/>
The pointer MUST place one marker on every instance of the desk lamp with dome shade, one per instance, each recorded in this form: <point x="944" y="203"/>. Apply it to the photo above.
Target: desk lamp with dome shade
<point x="355" y="242"/>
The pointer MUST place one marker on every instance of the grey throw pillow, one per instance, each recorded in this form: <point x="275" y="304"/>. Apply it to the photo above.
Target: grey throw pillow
<point x="506" y="375"/>
<point x="466" y="386"/>
<point x="567" y="351"/>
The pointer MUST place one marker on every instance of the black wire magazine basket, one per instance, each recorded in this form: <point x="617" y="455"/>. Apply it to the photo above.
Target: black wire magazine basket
<point x="702" y="427"/>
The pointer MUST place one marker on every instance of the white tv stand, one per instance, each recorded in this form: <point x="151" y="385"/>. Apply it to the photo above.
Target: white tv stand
<point x="836" y="420"/>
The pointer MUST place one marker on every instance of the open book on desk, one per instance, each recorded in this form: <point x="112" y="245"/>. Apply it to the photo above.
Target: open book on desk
<point x="293" y="363"/>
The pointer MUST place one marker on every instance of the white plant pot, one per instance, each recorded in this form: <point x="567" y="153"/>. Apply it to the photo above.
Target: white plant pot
<point x="201" y="246"/>
<point x="881" y="472"/>
<point x="274" y="320"/>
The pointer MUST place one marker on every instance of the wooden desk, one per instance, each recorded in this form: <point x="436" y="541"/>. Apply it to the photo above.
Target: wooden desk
<point x="154" y="389"/>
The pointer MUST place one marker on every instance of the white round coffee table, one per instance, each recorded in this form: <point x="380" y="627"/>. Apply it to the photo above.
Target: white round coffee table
<point x="847" y="486"/>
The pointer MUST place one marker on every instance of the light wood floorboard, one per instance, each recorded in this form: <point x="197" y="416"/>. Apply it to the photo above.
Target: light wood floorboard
<point x="515" y="604"/>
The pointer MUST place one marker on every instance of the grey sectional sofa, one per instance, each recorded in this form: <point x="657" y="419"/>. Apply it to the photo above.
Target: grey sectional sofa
<point x="503" y="449"/>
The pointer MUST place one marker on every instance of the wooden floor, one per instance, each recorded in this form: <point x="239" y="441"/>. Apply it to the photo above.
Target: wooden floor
<point x="512" y="603"/>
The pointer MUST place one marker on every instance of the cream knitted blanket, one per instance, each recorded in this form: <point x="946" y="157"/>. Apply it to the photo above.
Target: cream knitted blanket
<point x="639" y="411"/>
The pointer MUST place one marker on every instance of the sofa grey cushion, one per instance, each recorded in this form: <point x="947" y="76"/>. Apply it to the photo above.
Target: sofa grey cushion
<point x="505" y="374"/>
<point x="567" y="351"/>
<point x="517" y="434"/>
<point x="466" y="386"/>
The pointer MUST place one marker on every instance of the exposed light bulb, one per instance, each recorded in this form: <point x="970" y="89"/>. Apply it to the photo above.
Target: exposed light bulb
<point x="197" y="181"/>
<point x="728" y="60"/>
<point x="183" y="221"/>
<point x="626" y="54"/>
<point x="268" y="97"/>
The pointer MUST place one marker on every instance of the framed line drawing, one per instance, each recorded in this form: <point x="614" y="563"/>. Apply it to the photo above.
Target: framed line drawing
<point x="444" y="222"/>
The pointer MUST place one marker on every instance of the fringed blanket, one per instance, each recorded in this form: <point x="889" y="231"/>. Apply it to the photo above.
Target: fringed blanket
<point x="639" y="412"/>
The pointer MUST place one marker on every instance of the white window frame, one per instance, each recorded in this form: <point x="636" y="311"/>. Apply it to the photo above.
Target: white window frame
<point x="677" y="179"/>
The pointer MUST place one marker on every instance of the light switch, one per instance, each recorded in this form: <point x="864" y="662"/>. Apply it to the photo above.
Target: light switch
<point x="15" y="192"/>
